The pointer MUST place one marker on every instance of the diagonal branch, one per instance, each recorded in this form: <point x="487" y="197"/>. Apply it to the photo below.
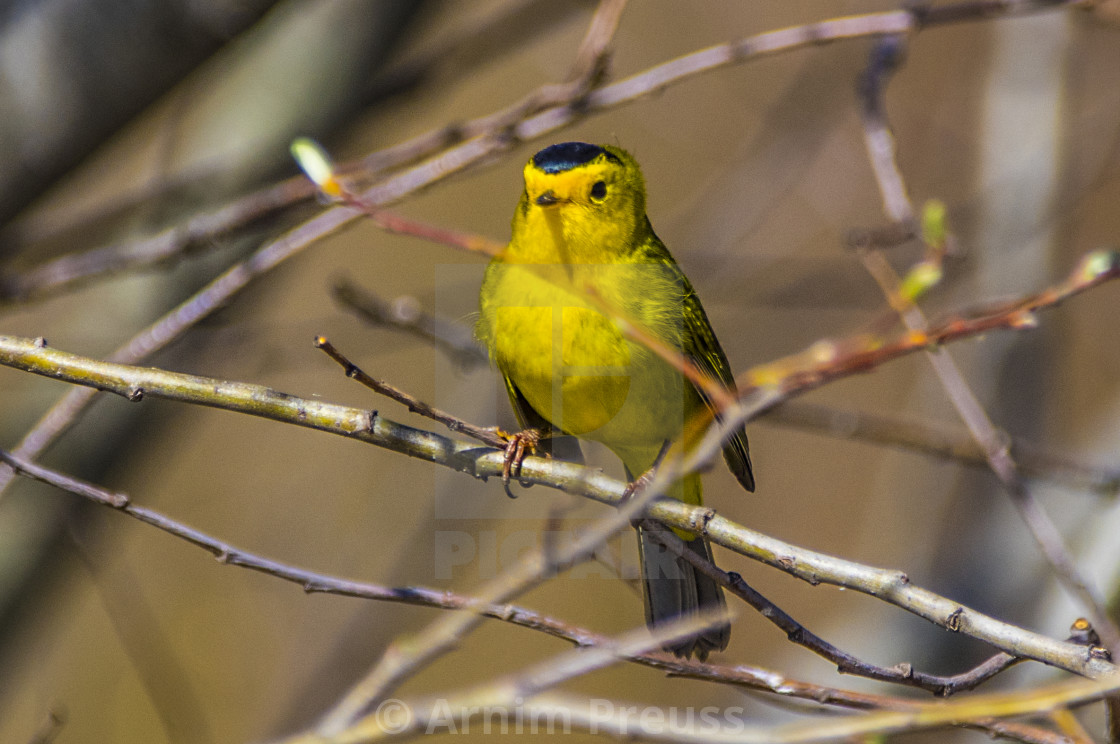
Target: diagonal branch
<point x="486" y="435"/>
<point x="175" y="323"/>
<point x="617" y="720"/>
<point x="511" y="691"/>
<point x="937" y="441"/>
<point x="405" y="657"/>
<point x="885" y="59"/>
<point x="845" y="663"/>
<point x="456" y="158"/>
<point x="405" y="314"/>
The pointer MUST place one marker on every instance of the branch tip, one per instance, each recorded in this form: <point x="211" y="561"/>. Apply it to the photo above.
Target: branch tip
<point x="313" y="160"/>
<point x="1099" y="265"/>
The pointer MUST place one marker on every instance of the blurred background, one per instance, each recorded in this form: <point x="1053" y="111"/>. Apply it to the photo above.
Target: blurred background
<point x="123" y="118"/>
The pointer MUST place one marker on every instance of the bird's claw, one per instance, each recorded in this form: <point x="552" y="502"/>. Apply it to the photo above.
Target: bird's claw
<point x="517" y="446"/>
<point x="645" y="478"/>
<point x="638" y="484"/>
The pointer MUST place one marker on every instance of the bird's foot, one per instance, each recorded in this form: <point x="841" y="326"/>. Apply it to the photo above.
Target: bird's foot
<point x="644" y="479"/>
<point x="518" y="445"/>
<point x="638" y="484"/>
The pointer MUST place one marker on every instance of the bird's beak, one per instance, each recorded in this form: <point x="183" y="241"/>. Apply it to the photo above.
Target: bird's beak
<point x="547" y="199"/>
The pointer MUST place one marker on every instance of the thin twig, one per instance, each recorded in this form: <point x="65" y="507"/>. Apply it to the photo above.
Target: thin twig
<point x="845" y="663"/>
<point x="821" y="363"/>
<point x="171" y="326"/>
<point x="199" y="232"/>
<point x="221" y="290"/>
<point x="885" y="58"/>
<point x="825" y="361"/>
<point x="486" y="435"/>
<point x="713" y="389"/>
<point x="590" y="66"/>
<point x="618" y="719"/>
<point x="938" y="441"/>
<point x="406" y="315"/>
<point x="413" y="595"/>
<point x="395" y="223"/>
<point x="513" y="690"/>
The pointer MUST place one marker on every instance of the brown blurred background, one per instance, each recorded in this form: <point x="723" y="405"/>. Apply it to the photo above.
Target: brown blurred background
<point x="756" y="175"/>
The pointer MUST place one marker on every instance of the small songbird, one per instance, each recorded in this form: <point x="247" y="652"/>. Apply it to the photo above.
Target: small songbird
<point x="581" y="248"/>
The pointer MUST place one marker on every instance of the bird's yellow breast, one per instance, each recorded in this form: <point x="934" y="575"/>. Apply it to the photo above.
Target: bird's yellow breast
<point x="568" y="359"/>
<point x="572" y="363"/>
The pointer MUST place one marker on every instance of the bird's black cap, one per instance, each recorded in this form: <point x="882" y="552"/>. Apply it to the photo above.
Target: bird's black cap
<point x="567" y="155"/>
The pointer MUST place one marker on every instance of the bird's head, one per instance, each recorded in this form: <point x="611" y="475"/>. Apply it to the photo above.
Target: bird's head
<point x="593" y="196"/>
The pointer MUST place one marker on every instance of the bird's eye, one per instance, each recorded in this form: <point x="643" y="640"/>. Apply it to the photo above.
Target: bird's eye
<point x="599" y="191"/>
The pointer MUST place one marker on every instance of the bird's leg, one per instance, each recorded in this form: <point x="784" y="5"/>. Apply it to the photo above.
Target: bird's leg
<point x="518" y="445"/>
<point x="644" y="479"/>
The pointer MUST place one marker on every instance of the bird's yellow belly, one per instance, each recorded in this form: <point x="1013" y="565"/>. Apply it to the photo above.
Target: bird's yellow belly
<point x="576" y="369"/>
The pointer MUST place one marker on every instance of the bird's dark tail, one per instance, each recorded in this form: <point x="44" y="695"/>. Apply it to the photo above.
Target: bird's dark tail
<point x="673" y="587"/>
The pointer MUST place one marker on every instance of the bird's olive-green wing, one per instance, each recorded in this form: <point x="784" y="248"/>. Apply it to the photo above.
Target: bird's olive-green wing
<point x="701" y="347"/>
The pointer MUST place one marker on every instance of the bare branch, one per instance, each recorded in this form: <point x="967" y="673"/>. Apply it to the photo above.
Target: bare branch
<point x="405" y="658"/>
<point x="559" y="712"/>
<point x="845" y="663"/>
<point x="405" y="314"/>
<point x="172" y="325"/>
<point x="486" y="435"/>
<point x="199" y="232"/>
<point x="457" y="341"/>
<point x="509" y="692"/>
<point x="885" y="58"/>
<point x="494" y="136"/>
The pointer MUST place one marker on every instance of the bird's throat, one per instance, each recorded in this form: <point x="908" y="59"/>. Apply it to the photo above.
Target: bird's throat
<point x="555" y="224"/>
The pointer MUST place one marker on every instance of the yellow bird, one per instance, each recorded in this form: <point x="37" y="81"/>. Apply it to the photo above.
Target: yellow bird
<point x="581" y="241"/>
